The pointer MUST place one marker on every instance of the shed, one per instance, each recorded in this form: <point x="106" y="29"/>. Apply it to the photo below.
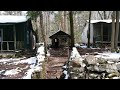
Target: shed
<point x="100" y="31"/>
<point x="16" y="33"/>
<point x="60" y="39"/>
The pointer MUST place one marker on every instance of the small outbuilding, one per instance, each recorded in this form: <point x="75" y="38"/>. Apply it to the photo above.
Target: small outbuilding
<point x="60" y="39"/>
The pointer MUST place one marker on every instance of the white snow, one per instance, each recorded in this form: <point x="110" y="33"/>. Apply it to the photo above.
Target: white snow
<point x="65" y="66"/>
<point x="96" y="21"/>
<point x="75" y="53"/>
<point x="84" y="46"/>
<point x="77" y="45"/>
<point x="66" y="77"/>
<point x="2" y="71"/>
<point x="28" y="74"/>
<point x="109" y="55"/>
<point x="12" y="19"/>
<point x="12" y="72"/>
<point x="40" y="57"/>
<point x="10" y="59"/>
<point x="31" y="60"/>
<point x="40" y="50"/>
<point x="34" y="62"/>
<point x="116" y="78"/>
<point x="66" y="74"/>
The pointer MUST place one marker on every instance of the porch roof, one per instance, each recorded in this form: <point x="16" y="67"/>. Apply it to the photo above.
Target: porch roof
<point x="12" y="19"/>
<point x="105" y="21"/>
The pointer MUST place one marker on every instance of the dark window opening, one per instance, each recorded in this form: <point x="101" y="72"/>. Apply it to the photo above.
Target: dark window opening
<point x="11" y="46"/>
<point x="8" y="33"/>
<point x="4" y="45"/>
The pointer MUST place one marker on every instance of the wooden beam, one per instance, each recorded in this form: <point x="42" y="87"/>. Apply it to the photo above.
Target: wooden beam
<point x="14" y="37"/>
<point x="101" y="34"/>
<point x="1" y="38"/>
<point x="7" y="46"/>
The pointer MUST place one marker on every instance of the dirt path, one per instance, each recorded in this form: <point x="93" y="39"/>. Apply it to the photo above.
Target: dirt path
<point x="55" y="62"/>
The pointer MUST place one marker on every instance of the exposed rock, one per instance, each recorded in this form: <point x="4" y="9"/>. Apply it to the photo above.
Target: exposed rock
<point x="91" y="67"/>
<point x="110" y="62"/>
<point x="101" y="61"/>
<point x="110" y="68"/>
<point x="115" y="74"/>
<point x="78" y="70"/>
<point x="114" y="60"/>
<point x="93" y="75"/>
<point x="90" y="60"/>
<point x="102" y="68"/>
<point x="118" y="67"/>
<point x="36" y="75"/>
<point x="77" y="62"/>
<point x="116" y="78"/>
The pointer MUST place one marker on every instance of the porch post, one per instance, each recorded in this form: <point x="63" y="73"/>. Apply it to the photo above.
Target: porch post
<point x="14" y="37"/>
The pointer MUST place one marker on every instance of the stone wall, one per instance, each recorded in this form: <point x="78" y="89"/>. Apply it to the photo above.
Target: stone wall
<point x="91" y="68"/>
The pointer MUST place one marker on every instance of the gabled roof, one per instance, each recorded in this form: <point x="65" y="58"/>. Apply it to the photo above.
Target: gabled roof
<point x="97" y="21"/>
<point x="60" y="33"/>
<point x="12" y="19"/>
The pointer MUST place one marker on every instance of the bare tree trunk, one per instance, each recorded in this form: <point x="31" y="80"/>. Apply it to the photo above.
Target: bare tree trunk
<point x="109" y="15"/>
<point x="89" y="30"/>
<point x="100" y="15"/>
<point x="71" y="28"/>
<point x="117" y="29"/>
<point x="43" y="32"/>
<point x="49" y="29"/>
<point x="65" y="21"/>
<point x="37" y="32"/>
<point x="46" y="24"/>
<point x="113" y="32"/>
<point x="105" y="16"/>
<point x="61" y="20"/>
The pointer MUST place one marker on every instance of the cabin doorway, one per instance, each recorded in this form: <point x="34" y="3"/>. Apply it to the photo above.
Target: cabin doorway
<point x="56" y="41"/>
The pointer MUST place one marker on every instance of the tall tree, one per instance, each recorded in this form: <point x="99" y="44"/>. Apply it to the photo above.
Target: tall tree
<point x="71" y="28"/>
<point x="43" y="32"/>
<point x="34" y="16"/>
<point x="88" y="45"/>
<point x="105" y="16"/>
<point x="113" y="32"/>
<point x="65" y="21"/>
<point x="117" y="29"/>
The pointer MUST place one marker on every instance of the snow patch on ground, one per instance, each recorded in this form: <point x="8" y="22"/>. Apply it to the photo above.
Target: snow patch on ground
<point x="30" y="64"/>
<point x="12" y="72"/>
<point x="41" y="50"/>
<point x="33" y="61"/>
<point x="28" y="74"/>
<point x="2" y="71"/>
<point x="75" y="53"/>
<point x="109" y="55"/>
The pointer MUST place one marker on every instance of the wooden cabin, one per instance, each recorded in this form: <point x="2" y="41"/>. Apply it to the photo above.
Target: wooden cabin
<point x="16" y="33"/>
<point x="100" y="33"/>
<point x="60" y="39"/>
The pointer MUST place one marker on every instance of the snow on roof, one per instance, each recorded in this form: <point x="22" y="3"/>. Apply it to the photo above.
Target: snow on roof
<point x="97" y="21"/>
<point x="12" y="19"/>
